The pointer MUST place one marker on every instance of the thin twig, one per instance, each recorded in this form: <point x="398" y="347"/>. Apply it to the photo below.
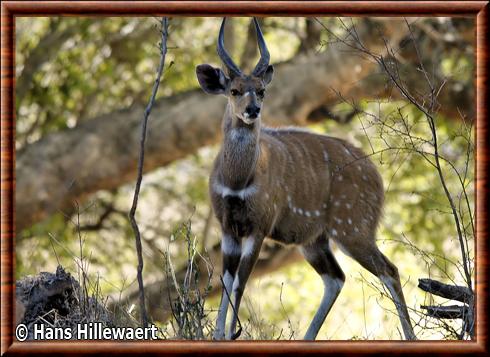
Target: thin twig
<point x="134" y="225"/>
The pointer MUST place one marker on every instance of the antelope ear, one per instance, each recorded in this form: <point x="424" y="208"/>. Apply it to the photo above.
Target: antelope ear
<point x="268" y="74"/>
<point x="212" y="80"/>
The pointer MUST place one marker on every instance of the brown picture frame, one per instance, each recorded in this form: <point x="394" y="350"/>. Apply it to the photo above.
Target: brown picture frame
<point x="11" y="9"/>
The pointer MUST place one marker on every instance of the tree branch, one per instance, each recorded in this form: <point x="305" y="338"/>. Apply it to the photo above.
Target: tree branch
<point x="101" y="154"/>
<point x="451" y="292"/>
<point x="132" y="212"/>
<point x="446" y="312"/>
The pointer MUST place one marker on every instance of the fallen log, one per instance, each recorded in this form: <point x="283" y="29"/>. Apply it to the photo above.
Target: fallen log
<point x="446" y="312"/>
<point x="451" y="292"/>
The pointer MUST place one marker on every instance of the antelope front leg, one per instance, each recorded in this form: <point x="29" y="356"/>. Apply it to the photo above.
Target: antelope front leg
<point x="250" y="253"/>
<point x="231" y="250"/>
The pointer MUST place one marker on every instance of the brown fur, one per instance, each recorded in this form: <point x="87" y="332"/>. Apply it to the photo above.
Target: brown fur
<point x="291" y="172"/>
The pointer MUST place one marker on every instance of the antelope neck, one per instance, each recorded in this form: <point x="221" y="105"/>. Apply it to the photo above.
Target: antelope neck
<point x="240" y="153"/>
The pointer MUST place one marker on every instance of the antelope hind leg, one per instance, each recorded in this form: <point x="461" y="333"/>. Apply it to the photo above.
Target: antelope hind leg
<point x="370" y="257"/>
<point x="322" y="260"/>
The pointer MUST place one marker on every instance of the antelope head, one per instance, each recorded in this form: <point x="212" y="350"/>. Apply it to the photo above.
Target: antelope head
<point x="245" y="93"/>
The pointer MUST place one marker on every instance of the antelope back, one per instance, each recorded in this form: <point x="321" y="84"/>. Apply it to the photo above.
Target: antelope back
<point x="322" y="184"/>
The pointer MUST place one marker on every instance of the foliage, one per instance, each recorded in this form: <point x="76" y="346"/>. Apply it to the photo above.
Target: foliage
<point x="190" y="318"/>
<point x="107" y="64"/>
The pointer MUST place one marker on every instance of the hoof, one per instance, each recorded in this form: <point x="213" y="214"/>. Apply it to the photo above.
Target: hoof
<point x="218" y="336"/>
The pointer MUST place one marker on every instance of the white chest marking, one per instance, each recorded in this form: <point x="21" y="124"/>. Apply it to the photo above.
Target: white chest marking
<point x="226" y="191"/>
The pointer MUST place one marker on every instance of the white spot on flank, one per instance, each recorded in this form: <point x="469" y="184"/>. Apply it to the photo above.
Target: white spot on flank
<point x="289" y="198"/>
<point x="343" y="232"/>
<point x="317" y="213"/>
<point x="267" y="195"/>
<point x="359" y="167"/>
<point x="308" y="214"/>
<point x="334" y="232"/>
<point x="362" y="195"/>
<point x="356" y="229"/>
<point x="336" y="203"/>
<point x="347" y="151"/>
<point x="356" y="185"/>
<point x="226" y="191"/>
<point x="324" y="205"/>
<point x="364" y="177"/>
<point x="338" y="220"/>
<point x="248" y="247"/>
<point x="275" y="206"/>
<point x="343" y="196"/>
<point x="294" y="209"/>
<point x="349" y="221"/>
<point x="325" y="155"/>
<point x="340" y="178"/>
<point x="300" y="211"/>
<point x="348" y="205"/>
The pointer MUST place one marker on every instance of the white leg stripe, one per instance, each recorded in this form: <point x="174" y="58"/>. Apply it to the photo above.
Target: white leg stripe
<point x="230" y="246"/>
<point x="236" y="282"/>
<point x="248" y="246"/>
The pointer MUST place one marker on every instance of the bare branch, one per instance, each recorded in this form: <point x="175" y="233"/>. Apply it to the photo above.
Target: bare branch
<point x="446" y="312"/>
<point x="132" y="212"/>
<point x="452" y="292"/>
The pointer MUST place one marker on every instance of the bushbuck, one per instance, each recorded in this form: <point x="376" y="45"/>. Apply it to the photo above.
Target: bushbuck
<point x="293" y="186"/>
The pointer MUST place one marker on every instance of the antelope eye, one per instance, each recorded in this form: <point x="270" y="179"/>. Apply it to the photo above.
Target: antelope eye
<point x="235" y="92"/>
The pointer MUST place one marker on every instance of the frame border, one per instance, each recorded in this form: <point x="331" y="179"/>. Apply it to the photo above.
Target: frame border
<point x="11" y="9"/>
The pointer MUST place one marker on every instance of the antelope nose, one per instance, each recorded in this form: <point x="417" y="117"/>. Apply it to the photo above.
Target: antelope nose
<point x="252" y="111"/>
